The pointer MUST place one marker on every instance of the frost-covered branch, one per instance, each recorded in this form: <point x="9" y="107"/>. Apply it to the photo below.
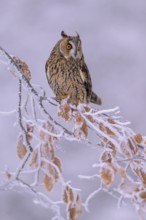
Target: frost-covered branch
<point x="122" y="151"/>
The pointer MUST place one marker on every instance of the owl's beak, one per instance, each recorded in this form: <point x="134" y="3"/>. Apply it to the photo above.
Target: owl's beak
<point x="75" y="53"/>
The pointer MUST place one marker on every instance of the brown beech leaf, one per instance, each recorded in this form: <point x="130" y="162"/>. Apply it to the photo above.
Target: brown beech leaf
<point x="71" y="195"/>
<point x="138" y="138"/>
<point x="90" y="118"/>
<point x="72" y="212"/>
<point x="79" y="205"/>
<point x="128" y="187"/>
<point x="57" y="162"/>
<point x="110" y="145"/>
<point x="102" y="127"/>
<point x="107" y="176"/>
<point x="42" y="135"/>
<point x="45" y="150"/>
<point x="65" y="196"/>
<point x="34" y="158"/>
<point x="132" y="145"/>
<point x="106" y="129"/>
<point x="142" y="195"/>
<point x="142" y="174"/>
<point x="106" y="157"/>
<point x="109" y="132"/>
<point x="110" y="120"/>
<point x="64" y="111"/>
<point x="53" y="172"/>
<point x="29" y="129"/>
<point x="24" y="68"/>
<point x="68" y="195"/>
<point x="125" y="149"/>
<point x="75" y="208"/>
<point x="81" y="129"/>
<point x="21" y="148"/>
<point x="48" y="182"/>
<point x="52" y="151"/>
<point x="121" y="172"/>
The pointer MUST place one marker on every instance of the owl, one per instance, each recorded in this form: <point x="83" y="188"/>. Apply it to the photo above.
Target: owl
<point x="67" y="72"/>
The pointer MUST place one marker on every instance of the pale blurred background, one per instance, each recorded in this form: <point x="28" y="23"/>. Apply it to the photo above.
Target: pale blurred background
<point x="114" y="44"/>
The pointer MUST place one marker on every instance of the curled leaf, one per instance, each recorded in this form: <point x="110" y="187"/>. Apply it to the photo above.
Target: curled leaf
<point x="34" y="158"/>
<point x="23" y="67"/>
<point x="21" y="148"/>
<point x="106" y="157"/>
<point x="81" y="129"/>
<point x="138" y="138"/>
<point x="132" y="145"/>
<point x="64" y="111"/>
<point x="57" y="162"/>
<point x="48" y="182"/>
<point x="107" y="176"/>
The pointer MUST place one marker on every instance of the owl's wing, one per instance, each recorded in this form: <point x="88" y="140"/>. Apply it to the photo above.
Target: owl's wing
<point x="85" y="76"/>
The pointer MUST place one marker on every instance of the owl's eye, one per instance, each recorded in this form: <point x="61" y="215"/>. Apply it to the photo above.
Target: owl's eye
<point x="68" y="46"/>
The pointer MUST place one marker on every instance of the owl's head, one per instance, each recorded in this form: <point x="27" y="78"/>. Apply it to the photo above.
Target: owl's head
<point x="70" y="46"/>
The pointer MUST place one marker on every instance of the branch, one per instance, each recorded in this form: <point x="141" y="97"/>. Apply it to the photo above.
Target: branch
<point x="121" y="152"/>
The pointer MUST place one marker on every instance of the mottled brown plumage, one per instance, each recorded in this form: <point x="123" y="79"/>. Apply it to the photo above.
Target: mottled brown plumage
<point x="67" y="72"/>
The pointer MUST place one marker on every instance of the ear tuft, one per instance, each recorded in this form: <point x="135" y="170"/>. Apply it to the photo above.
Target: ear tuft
<point x="63" y="34"/>
<point x="77" y="34"/>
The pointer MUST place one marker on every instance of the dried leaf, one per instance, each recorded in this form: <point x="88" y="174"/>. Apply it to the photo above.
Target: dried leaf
<point x="72" y="212"/>
<point x="45" y="150"/>
<point x="142" y="195"/>
<point x="138" y="138"/>
<point x="79" y="205"/>
<point x="65" y="196"/>
<point x="81" y="129"/>
<point x="142" y="174"/>
<point x="102" y="127"/>
<point x="90" y="118"/>
<point x="53" y="172"/>
<point x="121" y="172"/>
<point x="21" y="148"/>
<point x="128" y="187"/>
<point x="64" y="111"/>
<point x="42" y="135"/>
<point x="125" y="149"/>
<point x="48" y="182"/>
<point x="71" y="195"/>
<point x="132" y="145"/>
<point x="110" y="145"/>
<point x="24" y="68"/>
<point x="57" y="162"/>
<point x="107" y="176"/>
<point x="109" y="132"/>
<point x="34" y="158"/>
<point x="106" y="129"/>
<point x="52" y="151"/>
<point x="29" y="129"/>
<point x="106" y="157"/>
<point x="87" y="109"/>
<point x="110" y="120"/>
<point x="75" y="208"/>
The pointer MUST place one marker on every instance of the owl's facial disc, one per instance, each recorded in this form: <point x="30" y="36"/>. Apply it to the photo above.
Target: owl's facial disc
<point x="76" y="51"/>
<point x="71" y="47"/>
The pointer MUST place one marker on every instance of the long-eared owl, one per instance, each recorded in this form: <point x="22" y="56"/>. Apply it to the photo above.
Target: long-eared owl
<point x="67" y="72"/>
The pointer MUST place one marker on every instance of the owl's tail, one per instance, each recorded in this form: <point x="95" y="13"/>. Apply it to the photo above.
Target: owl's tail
<point x="95" y="99"/>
